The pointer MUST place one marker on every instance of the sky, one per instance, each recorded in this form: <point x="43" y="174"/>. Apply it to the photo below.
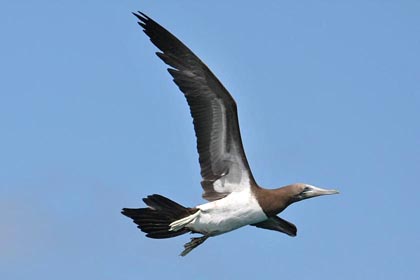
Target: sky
<point x="328" y="93"/>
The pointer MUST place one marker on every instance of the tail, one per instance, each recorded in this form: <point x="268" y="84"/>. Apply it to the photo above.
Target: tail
<point x="156" y="220"/>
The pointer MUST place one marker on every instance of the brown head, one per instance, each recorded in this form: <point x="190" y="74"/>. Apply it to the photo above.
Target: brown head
<point x="275" y="201"/>
<point x="302" y="191"/>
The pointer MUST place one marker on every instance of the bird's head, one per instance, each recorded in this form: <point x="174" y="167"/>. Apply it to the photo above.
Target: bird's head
<point x="275" y="201"/>
<point x="304" y="191"/>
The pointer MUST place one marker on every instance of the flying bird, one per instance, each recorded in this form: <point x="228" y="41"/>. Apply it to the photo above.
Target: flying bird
<point x="235" y="199"/>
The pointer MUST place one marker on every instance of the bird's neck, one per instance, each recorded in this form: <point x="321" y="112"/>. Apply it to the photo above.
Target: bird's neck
<point x="273" y="201"/>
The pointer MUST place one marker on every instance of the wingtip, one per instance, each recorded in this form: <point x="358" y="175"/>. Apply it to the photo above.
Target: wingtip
<point x="141" y="16"/>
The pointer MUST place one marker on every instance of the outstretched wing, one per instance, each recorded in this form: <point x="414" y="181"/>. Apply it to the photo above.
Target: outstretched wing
<point x="224" y="167"/>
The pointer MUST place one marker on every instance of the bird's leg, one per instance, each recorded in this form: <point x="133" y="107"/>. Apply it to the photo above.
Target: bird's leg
<point x="195" y="241"/>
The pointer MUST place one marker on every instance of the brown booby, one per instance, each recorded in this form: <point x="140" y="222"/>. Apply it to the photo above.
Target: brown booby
<point x="235" y="199"/>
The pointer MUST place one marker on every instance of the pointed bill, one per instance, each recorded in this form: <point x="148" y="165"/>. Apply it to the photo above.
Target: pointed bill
<point x="312" y="191"/>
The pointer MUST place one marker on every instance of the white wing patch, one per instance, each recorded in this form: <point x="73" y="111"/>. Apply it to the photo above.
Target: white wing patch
<point x="237" y="180"/>
<point x="226" y="163"/>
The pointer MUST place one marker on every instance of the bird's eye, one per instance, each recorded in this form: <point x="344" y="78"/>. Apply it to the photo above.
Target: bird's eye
<point x="306" y="189"/>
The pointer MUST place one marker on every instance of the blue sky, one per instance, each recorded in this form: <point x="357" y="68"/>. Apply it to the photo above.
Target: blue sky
<point x="328" y="94"/>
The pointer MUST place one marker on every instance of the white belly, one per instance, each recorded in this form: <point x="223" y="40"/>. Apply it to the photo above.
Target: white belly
<point x="231" y="212"/>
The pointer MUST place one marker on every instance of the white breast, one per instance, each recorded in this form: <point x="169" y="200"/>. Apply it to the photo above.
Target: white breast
<point x="231" y="212"/>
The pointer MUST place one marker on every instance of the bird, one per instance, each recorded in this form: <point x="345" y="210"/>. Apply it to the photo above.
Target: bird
<point x="234" y="198"/>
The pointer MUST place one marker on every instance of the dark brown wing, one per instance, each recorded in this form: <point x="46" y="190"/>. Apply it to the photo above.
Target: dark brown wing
<point x="224" y="167"/>
<point x="278" y="224"/>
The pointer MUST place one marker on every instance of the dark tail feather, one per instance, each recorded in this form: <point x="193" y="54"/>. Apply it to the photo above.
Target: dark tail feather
<point x="155" y="219"/>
